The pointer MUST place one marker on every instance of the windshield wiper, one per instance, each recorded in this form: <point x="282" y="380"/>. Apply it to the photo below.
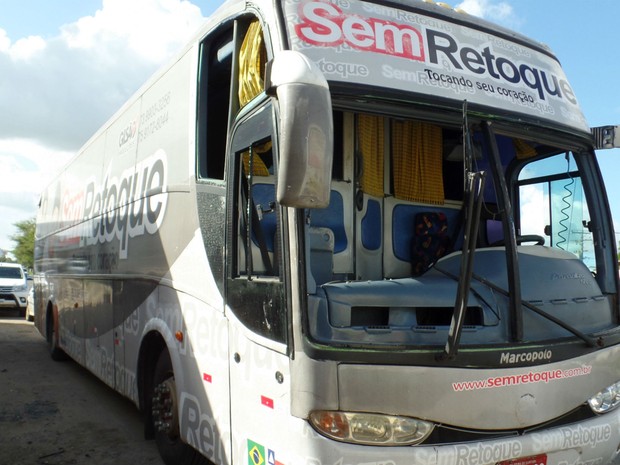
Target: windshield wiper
<point x="587" y="339"/>
<point x="474" y="192"/>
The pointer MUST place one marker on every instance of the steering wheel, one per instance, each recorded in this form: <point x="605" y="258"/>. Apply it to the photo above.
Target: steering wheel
<point x="538" y="240"/>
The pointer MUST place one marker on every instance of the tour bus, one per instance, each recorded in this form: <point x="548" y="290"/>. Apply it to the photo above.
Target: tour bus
<point x="345" y="232"/>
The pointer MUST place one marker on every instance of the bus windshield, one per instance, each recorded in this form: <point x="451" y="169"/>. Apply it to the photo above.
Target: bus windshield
<point x="477" y="217"/>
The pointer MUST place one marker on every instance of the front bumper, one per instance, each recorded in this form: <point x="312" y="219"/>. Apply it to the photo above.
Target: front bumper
<point x="13" y="301"/>
<point x="595" y="441"/>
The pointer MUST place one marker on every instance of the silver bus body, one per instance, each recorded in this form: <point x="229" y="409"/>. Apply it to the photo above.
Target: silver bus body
<point x="409" y="319"/>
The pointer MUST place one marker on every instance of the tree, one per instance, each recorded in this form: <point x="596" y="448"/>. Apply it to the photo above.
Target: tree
<point x="24" y="251"/>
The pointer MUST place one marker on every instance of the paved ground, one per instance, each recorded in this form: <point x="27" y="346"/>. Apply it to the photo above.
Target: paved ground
<point x="57" y="413"/>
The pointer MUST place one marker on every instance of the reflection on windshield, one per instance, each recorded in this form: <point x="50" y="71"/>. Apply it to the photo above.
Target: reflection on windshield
<point x="556" y="183"/>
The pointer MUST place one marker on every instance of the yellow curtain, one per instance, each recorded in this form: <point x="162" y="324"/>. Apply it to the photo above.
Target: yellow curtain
<point x="252" y="58"/>
<point x="417" y="162"/>
<point x="258" y="165"/>
<point x="371" y="138"/>
<point x="523" y="149"/>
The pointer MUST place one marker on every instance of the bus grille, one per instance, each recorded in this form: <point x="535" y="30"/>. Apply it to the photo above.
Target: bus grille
<point x="444" y="434"/>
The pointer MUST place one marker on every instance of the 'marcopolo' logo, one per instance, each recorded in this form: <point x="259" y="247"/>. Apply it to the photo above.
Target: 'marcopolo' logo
<point x="511" y="358"/>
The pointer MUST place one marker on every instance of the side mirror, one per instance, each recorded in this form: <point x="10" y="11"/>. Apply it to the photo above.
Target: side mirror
<point x="305" y="130"/>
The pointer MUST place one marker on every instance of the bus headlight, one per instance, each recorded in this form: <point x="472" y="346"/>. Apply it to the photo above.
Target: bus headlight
<point x="606" y="400"/>
<point x="370" y="428"/>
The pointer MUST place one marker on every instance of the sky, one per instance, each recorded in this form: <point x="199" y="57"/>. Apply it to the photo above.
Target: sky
<point x="67" y="65"/>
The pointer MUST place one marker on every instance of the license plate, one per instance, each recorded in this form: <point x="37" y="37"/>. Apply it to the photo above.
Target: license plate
<point x="532" y="460"/>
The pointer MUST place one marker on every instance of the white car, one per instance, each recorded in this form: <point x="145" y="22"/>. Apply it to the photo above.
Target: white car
<point x="13" y="287"/>
<point x="30" y="305"/>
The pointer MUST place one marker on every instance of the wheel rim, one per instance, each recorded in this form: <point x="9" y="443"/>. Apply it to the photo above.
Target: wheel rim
<point x="165" y="412"/>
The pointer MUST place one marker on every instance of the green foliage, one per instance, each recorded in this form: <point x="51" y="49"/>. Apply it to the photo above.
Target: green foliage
<point x="24" y="250"/>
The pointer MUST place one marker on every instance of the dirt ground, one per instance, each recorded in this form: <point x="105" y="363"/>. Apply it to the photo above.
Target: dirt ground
<point x="57" y="413"/>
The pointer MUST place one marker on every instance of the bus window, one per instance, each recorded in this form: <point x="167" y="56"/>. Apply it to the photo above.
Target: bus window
<point x="256" y="209"/>
<point x="252" y="59"/>
<point x="552" y="204"/>
<point x="214" y="86"/>
<point x="220" y="78"/>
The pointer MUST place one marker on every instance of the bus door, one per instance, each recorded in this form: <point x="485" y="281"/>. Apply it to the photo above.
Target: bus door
<point x="255" y="291"/>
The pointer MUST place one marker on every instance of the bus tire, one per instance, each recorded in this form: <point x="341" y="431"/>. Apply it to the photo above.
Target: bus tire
<point x="165" y="417"/>
<point x="51" y="335"/>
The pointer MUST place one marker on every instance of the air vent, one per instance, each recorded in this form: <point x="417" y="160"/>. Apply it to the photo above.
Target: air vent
<point x="370" y="316"/>
<point x="442" y="316"/>
<point x="425" y="317"/>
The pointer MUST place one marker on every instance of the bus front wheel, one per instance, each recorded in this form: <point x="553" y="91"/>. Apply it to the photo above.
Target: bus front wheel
<point x="165" y="417"/>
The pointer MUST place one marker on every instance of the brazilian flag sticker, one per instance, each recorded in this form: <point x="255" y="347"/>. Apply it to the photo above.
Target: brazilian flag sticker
<point x="256" y="453"/>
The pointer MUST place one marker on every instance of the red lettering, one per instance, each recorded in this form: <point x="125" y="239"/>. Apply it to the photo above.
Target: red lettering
<point x="325" y="25"/>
